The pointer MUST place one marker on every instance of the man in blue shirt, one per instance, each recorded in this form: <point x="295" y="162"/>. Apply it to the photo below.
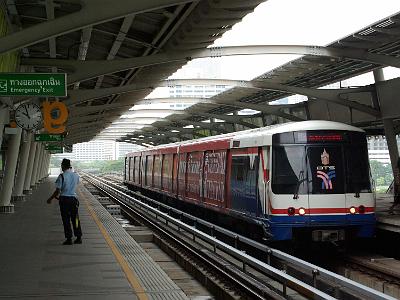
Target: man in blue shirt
<point x="65" y="192"/>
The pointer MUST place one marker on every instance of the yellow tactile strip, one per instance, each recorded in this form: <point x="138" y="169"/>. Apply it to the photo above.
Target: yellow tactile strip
<point x="147" y="279"/>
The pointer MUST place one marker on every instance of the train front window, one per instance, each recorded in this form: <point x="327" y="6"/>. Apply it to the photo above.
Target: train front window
<point x="357" y="169"/>
<point x="288" y="171"/>
<point x="325" y="169"/>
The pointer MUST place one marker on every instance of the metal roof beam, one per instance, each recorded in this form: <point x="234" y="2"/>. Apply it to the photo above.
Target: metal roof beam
<point x="84" y="70"/>
<point x="332" y="95"/>
<point x="92" y="12"/>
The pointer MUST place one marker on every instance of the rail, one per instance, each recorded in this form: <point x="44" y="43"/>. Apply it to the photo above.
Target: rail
<point x="316" y="273"/>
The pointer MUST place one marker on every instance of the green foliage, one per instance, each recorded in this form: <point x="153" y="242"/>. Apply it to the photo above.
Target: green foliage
<point x="100" y="166"/>
<point x="381" y="173"/>
<point x="95" y="166"/>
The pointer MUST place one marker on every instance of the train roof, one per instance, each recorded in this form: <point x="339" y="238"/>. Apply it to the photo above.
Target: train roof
<point x="260" y="136"/>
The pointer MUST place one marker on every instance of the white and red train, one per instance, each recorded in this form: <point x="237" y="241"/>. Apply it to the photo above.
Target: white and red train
<point x="306" y="178"/>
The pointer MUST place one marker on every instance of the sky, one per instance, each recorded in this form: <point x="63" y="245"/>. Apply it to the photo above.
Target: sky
<point x="294" y="22"/>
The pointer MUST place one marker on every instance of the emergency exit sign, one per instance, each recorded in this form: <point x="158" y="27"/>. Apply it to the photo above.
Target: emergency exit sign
<point x="33" y="84"/>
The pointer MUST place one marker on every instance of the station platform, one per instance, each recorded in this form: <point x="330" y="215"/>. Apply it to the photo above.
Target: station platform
<point x="108" y="265"/>
<point x="386" y="221"/>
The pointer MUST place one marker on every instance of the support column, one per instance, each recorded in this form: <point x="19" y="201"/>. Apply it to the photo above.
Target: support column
<point x="3" y="121"/>
<point x="29" y="168"/>
<point x="10" y="168"/>
<point x="46" y="170"/>
<point x="43" y="170"/>
<point x="389" y="130"/>
<point x="40" y="165"/>
<point x="18" y="193"/>
<point x="35" y="166"/>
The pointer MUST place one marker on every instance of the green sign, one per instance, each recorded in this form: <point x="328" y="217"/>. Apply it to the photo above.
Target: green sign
<point x="54" y="148"/>
<point x="56" y="151"/>
<point x="33" y="84"/>
<point x="44" y="137"/>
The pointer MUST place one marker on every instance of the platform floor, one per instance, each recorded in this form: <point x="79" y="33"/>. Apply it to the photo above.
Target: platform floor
<point x="108" y="265"/>
<point x="386" y="221"/>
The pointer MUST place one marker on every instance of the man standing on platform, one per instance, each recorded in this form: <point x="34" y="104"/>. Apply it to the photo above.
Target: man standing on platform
<point x="65" y="192"/>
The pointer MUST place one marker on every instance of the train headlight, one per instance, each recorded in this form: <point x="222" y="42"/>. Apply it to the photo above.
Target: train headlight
<point x="361" y="209"/>
<point x="302" y="211"/>
<point x="291" y="211"/>
<point x="352" y="210"/>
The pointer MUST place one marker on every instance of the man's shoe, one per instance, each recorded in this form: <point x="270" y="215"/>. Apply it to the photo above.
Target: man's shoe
<point x="67" y="242"/>
<point x="78" y="241"/>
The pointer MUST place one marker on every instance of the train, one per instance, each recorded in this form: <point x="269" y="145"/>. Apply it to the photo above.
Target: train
<point x="308" y="179"/>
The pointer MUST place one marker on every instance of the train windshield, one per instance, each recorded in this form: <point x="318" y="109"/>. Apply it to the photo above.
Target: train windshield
<point x="310" y="164"/>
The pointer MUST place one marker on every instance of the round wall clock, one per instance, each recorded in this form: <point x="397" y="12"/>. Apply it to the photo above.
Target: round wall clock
<point x="28" y="116"/>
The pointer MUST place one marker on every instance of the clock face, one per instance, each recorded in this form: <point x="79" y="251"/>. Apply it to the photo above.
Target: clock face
<point x="28" y="116"/>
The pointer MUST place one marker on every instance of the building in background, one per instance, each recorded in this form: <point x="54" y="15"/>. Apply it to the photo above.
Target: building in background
<point x="99" y="150"/>
<point x="378" y="150"/>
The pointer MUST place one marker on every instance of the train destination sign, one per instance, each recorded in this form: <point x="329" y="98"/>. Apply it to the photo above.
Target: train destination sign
<point x="33" y="84"/>
<point x="43" y="137"/>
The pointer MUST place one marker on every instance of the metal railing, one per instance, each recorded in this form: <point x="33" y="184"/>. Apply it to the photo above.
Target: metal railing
<point x="317" y="273"/>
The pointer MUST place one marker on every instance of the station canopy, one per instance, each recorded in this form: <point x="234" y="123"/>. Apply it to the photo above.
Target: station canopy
<point x="117" y="52"/>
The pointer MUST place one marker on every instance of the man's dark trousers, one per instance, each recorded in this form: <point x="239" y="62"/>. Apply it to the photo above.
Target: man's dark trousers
<point x="69" y="213"/>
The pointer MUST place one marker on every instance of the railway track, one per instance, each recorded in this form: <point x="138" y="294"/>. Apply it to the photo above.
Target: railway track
<point x="244" y="268"/>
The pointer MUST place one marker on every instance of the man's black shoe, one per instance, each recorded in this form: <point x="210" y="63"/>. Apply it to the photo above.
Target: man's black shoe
<point x="67" y="242"/>
<point x="78" y="241"/>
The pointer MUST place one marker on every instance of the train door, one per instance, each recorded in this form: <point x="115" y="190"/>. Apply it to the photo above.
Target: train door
<point x="175" y="174"/>
<point x="244" y="178"/>
<point x="264" y="184"/>
<point x="326" y="178"/>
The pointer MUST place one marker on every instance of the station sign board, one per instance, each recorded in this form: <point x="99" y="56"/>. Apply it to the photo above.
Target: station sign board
<point x="33" y="84"/>
<point x="56" y="151"/>
<point x="51" y="147"/>
<point x="45" y="137"/>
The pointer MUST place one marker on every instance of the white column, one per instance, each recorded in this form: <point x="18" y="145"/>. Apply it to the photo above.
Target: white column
<point x="3" y="120"/>
<point x="46" y="165"/>
<point x="40" y="165"/>
<point x="29" y="169"/>
<point x="35" y="164"/>
<point x="18" y="193"/>
<point x="389" y="129"/>
<point x="10" y="167"/>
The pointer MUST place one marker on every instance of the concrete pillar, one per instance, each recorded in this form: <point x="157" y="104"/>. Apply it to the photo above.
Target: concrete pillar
<point x="9" y="174"/>
<point x="40" y="165"/>
<point x="46" y="165"/>
<point x="18" y="193"/>
<point x="3" y="120"/>
<point x="235" y="126"/>
<point x="43" y="170"/>
<point x="35" y="165"/>
<point x="29" y="168"/>
<point x="389" y="129"/>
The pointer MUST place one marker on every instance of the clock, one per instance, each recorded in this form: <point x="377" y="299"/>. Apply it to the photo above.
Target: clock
<point x="28" y="116"/>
